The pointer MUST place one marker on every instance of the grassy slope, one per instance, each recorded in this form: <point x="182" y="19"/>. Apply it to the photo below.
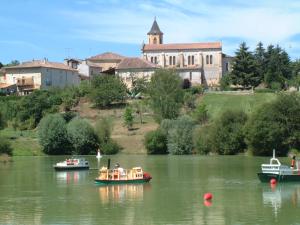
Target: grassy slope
<point x="26" y="142"/>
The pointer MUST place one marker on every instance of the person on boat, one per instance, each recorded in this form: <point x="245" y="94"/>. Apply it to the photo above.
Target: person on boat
<point x="293" y="162"/>
<point x="117" y="165"/>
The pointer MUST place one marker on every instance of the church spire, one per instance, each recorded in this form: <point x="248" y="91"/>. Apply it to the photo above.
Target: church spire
<point x="155" y="36"/>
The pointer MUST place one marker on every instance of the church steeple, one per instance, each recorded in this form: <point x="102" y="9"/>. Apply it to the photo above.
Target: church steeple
<point x="155" y="36"/>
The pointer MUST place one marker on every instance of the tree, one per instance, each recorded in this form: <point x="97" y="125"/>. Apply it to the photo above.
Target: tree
<point x="52" y="132"/>
<point x="227" y="133"/>
<point x="180" y="136"/>
<point x="139" y="86"/>
<point x="189" y="101"/>
<point x="5" y="147"/>
<point x="13" y="63"/>
<point x="82" y="137"/>
<point x="225" y="82"/>
<point x="156" y="142"/>
<point x="106" y="89"/>
<point x="275" y="125"/>
<point x="243" y="69"/>
<point x="2" y="122"/>
<point x="278" y="67"/>
<point x="1" y="65"/>
<point x="128" y="117"/>
<point x="70" y="98"/>
<point x="260" y="61"/>
<point x="166" y="94"/>
<point x="201" y="114"/>
<point x="140" y="107"/>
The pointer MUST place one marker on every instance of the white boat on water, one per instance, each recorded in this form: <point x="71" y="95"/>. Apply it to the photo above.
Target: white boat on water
<point x="72" y="164"/>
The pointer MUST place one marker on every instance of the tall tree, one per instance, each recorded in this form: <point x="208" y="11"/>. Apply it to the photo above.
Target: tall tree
<point x="278" y="66"/>
<point x="259" y="56"/>
<point x="243" y="69"/>
<point x="166" y="94"/>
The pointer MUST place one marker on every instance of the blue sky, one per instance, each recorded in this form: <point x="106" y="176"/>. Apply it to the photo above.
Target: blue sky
<point x="56" y="29"/>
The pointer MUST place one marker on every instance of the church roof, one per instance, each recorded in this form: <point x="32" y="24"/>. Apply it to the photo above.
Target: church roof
<point x="135" y="63"/>
<point x="155" y="28"/>
<point x="107" y="56"/>
<point x="183" y="46"/>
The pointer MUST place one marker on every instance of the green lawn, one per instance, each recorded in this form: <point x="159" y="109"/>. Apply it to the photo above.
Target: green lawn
<point x="24" y="143"/>
<point x="217" y="103"/>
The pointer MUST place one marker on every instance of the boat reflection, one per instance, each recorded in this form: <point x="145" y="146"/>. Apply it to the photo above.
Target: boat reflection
<point x="277" y="195"/>
<point x="70" y="176"/>
<point x="122" y="192"/>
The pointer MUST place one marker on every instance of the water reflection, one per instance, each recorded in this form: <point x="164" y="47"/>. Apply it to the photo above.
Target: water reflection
<point x="67" y="177"/>
<point x="122" y="192"/>
<point x="278" y="195"/>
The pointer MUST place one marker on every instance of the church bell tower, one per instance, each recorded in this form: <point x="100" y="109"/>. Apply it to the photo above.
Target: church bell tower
<point x="155" y="36"/>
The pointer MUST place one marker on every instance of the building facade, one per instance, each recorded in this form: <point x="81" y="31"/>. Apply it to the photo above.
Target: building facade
<point x="40" y="74"/>
<point x="201" y="63"/>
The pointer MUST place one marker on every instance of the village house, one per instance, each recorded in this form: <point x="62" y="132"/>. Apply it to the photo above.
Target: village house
<point x="40" y="74"/>
<point x="130" y="69"/>
<point x="201" y="63"/>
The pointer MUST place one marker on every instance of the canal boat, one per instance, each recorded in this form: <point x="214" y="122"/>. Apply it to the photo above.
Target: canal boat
<point x="72" y="164"/>
<point x="279" y="172"/>
<point x="119" y="175"/>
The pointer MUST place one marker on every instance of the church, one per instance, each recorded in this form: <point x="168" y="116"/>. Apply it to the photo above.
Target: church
<point x="201" y="63"/>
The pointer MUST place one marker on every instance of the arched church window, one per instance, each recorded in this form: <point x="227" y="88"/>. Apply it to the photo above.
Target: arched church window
<point x="207" y="59"/>
<point x="211" y="59"/>
<point x="154" y="40"/>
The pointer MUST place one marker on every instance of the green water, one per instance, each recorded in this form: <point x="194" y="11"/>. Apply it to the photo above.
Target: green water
<point x="31" y="192"/>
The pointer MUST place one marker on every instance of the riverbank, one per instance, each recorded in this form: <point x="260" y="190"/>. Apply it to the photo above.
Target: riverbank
<point x="25" y="143"/>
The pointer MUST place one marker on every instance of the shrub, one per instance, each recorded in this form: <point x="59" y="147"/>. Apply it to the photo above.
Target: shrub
<point x="156" y="142"/>
<point x="69" y="115"/>
<point x="5" y="147"/>
<point x="186" y="84"/>
<point x="110" y="148"/>
<point x="201" y="114"/>
<point x="103" y="129"/>
<point x="82" y="137"/>
<point x="227" y="133"/>
<point x="203" y="142"/>
<point x="180" y="137"/>
<point x="128" y="118"/>
<point x="53" y="137"/>
<point x="189" y="101"/>
<point x="196" y="89"/>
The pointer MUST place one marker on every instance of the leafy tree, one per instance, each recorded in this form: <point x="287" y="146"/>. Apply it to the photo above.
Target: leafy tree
<point x="275" y="125"/>
<point x="70" y="98"/>
<point x="166" y="94"/>
<point x="180" y="137"/>
<point x="13" y="63"/>
<point x="139" y="86"/>
<point x="156" y="142"/>
<point x="106" y="89"/>
<point x="202" y="139"/>
<point x="243" y="68"/>
<point x="227" y="133"/>
<point x="128" y="117"/>
<point x="1" y="65"/>
<point x="140" y="107"/>
<point x="82" y="137"/>
<point x="52" y="132"/>
<point x="110" y="148"/>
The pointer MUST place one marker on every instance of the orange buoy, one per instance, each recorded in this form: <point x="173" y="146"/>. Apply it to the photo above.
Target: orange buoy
<point x="273" y="181"/>
<point x="207" y="196"/>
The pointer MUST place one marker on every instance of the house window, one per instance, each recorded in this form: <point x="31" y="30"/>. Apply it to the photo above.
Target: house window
<point x="174" y="59"/>
<point x="155" y="60"/>
<point x="207" y="59"/>
<point x="170" y="60"/>
<point x="152" y="59"/>
<point x="211" y="59"/>
<point x="189" y="60"/>
<point x="191" y="76"/>
<point x="193" y="60"/>
<point x="227" y="67"/>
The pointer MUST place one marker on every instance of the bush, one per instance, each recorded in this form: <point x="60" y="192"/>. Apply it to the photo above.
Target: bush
<point x="5" y="147"/>
<point x="203" y="142"/>
<point x="156" y="142"/>
<point x="103" y="129"/>
<point x="186" y="84"/>
<point x="275" y="125"/>
<point x="201" y="114"/>
<point x="82" y="137"/>
<point x="52" y="134"/>
<point x="110" y="148"/>
<point x="180" y="136"/>
<point x="196" y="89"/>
<point x="225" y="83"/>
<point x="69" y="115"/>
<point x="128" y="118"/>
<point x="227" y="133"/>
<point x="189" y="101"/>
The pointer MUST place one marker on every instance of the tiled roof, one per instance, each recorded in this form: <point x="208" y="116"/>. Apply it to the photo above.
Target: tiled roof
<point x="93" y="64"/>
<point x="135" y="63"/>
<point x="41" y="63"/>
<point x="182" y="46"/>
<point x="155" y="28"/>
<point x="107" y="56"/>
<point x="4" y="85"/>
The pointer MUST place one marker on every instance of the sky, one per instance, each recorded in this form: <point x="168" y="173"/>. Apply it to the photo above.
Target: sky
<point x="57" y="29"/>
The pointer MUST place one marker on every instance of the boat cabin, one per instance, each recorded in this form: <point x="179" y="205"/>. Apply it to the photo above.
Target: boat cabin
<point x="121" y="173"/>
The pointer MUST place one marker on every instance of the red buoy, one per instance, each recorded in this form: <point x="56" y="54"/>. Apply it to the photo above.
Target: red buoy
<point x="207" y="196"/>
<point x="273" y="181"/>
<point x="207" y="203"/>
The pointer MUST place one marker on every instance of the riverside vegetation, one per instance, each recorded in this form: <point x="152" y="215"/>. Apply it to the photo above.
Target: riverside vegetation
<point x="172" y="117"/>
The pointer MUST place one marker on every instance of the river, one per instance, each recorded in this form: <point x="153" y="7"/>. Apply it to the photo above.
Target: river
<point x="31" y="192"/>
